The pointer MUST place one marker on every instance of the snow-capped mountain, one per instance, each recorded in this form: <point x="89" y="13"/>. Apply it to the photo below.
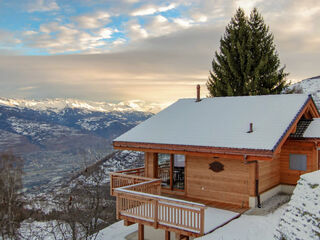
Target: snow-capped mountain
<point x="53" y="135"/>
<point x="57" y="105"/>
<point x="309" y="86"/>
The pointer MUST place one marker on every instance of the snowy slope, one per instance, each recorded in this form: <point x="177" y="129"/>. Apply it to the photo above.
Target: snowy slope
<point x="301" y="219"/>
<point x="310" y="86"/>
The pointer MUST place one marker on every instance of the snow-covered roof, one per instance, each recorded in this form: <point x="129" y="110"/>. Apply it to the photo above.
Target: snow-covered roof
<point x="313" y="130"/>
<point x="221" y="122"/>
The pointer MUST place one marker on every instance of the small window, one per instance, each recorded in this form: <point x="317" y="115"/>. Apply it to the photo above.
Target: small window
<point x="298" y="162"/>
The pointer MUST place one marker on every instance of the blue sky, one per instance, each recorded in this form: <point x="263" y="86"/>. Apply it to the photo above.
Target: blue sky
<point x="157" y="51"/>
<point x="44" y="27"/>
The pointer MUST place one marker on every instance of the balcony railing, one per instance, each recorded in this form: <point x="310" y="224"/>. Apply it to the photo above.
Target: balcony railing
<point x="139" y="200"/>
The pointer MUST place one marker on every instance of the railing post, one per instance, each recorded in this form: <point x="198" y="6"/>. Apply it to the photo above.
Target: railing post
<point x="111" y="184"/>
<point x="202" y="221"/>
<point x="155" y="209"/>
<point x="117" y="206"/>
<point x="159" y="187"/>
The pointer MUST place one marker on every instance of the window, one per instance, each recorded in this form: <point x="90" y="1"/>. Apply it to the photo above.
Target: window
<point x="164" y="169"/>
<point x="298" y="162"/>
<point x="171" y="170"/>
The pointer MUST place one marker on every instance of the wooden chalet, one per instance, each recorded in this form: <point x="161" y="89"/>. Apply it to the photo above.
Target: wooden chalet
<point x="225" y="152"/>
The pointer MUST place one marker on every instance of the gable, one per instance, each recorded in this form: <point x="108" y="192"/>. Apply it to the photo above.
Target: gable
<point x="222" y="122"/>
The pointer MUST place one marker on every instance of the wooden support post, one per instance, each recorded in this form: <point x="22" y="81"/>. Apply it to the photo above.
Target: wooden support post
<point x="111" y="185"/>
<point x="181" y="237"/>
<point x="118" y="206"/>
<point x="202" y="221"/>
<point x="171" y="170"/>
<point x="141" y="231"/>
<point x="155" y="165"/>
<point x="167" y="235"/>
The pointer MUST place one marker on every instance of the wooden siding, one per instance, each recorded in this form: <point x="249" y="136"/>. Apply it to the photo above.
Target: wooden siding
<point x="229" y="186"/>
<point x="269" y="174"/>
<point x="288" y="176"/>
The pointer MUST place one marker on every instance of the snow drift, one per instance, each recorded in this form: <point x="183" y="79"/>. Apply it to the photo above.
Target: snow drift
<point x="301" y="219"/>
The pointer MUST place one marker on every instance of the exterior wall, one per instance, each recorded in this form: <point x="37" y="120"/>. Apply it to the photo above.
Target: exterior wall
<point x="288" y="176"/>
<point x="269" y="174"/>
<point x="229" y="185"/>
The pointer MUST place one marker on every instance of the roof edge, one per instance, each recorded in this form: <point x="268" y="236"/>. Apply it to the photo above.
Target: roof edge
<point x="292" y="122"/>
<point x="193" y="148"/>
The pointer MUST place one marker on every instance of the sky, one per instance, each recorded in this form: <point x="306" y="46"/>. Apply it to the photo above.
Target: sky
<point x="156" y="51"/>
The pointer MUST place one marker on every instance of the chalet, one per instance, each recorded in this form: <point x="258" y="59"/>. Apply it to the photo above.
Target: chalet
<point x="227" y="152"/>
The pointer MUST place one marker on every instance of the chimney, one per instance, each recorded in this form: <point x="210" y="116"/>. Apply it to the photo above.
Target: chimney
<point x="250" y="128"/>
<point x="198" y="93"/>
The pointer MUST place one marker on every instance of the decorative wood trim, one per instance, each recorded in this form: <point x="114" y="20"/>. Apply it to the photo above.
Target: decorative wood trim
<point x="216" y="166"/>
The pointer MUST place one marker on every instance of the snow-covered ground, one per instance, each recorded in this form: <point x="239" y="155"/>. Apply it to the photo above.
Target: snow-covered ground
<point x="301" y="220"/>
<point x="247" y="227"/>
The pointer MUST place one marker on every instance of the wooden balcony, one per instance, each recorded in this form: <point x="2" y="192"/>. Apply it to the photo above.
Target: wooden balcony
<point x="139" y="201"/>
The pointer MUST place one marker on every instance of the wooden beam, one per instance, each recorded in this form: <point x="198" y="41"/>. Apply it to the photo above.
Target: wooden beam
<point x="127" y="223"/>
<point x="233" y="153"/>
<point x="253" y="158"/>
<point x="167" y="235"/>
<point x="141" y="231"/>
<point x="155" y="165"/>
<point x="171" y="171"/>
<point x="181" y="237"/>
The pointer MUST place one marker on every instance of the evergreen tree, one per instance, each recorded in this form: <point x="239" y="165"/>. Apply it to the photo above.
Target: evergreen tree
<point x="247" y="63"/>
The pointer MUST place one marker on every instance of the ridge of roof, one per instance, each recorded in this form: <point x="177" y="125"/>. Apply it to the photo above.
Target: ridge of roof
<point x="251" y="96"/>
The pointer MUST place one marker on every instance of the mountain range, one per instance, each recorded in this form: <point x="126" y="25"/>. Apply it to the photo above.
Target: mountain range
<point x="58" y="137"/>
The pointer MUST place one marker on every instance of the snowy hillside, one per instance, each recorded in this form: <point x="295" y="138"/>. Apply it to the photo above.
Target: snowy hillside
<point x="53" y="135"/>
<point x="301" y="219"/>
<point x="310" y="86"/>
<point x="51" y="210"/>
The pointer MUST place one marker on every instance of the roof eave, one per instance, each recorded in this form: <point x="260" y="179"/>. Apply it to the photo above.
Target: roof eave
<point x="294" y="121"/>
<point x="156" y="147"/>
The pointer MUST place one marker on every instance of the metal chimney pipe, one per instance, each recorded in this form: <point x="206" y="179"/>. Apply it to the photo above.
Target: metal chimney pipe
<point x="250" y="128"/>
<point x="198" y="93"/>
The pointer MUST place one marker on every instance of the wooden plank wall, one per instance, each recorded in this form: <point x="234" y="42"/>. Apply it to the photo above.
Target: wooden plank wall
<point x="229" y="186"/>
<point x="288" y="176"/>
<point x="269" y="174"/>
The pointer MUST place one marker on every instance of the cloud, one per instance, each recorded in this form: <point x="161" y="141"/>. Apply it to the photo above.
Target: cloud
<point x="159" y="59"/>
<point x="162" y="72"/>
<point x="55" y="37"/>
<point x="42" y="6"/>
<point x="136" y="31"/>
<point x="92" y="21"/>
<point x="151" y="9"/>
<point x="27" y="88"/>
<point x="8" y="39"/>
